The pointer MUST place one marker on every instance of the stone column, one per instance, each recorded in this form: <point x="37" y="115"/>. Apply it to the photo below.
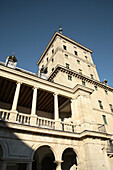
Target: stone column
<point x="3" y="165"/>
<point x="58" y="125"/>
<point x="29" y="166"/>
<point x="16" y="96"/>
<point x="56" y="111"/>
<point x="58" y="165"/>
<point x="34" y="101"/>
<point x="73" y="113"/>
<point x="33" y="109"/>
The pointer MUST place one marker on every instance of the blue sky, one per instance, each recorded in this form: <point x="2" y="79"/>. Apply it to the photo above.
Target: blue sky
<point x="26" y="26"/>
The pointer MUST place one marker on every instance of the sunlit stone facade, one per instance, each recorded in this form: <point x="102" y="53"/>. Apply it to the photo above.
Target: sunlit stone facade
<point x="59" y="118"/>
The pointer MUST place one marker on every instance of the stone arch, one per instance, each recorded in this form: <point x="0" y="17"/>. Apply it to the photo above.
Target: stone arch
<point x="35" y="147"/>
<point x="70" y="159"/>
<point x="44" y="158"/>
<point x="4" y="149"/>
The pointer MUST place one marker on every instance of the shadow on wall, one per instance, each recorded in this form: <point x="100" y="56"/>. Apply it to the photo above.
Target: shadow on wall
<point x="16" y="153"/>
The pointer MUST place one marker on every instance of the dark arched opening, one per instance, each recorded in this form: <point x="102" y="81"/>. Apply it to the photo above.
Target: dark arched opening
<point x="69" y="159"/>
<point x="44" y="159"/>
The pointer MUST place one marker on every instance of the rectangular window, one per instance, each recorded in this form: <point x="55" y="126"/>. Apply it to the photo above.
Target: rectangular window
<point x="52" y="60"/>
<point x="106" y="91"/>
<point x="83" y="83"/>
<point x="64" y="47"/>
<point x="80" y="71"/>
<point x="111" y="107"/>
<point x="52" y="51"/>
<point x="69" y="77"/>
<point x="66" y="56"/>
<point x="67" y="65"/>
<point x="100" y="104"/>
<point x="96" y="88"/>
<point x="104" y="119"/>
<point x="75" y="52"/>
<point x="52" y="69"/>
<point x="86" y="57"/>
<point x="47" y="59"/>
<point x="91" y="76"/>
<point x="78" y="61"/>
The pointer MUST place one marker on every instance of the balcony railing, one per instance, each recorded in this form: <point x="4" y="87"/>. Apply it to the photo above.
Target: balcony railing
<point x="26" y="119"/>
<point x="29" y="120"/>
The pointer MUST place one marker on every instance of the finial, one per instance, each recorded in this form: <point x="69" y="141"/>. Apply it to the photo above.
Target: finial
<point x="13" y="54"/>
<point x="60" y="29"/>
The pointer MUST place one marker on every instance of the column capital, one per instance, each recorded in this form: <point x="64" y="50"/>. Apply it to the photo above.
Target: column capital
<point x="19" y="82"/>
<point x="58" y="161"/>
<point x="35" y="88"/>
<point x="55" y="94"/>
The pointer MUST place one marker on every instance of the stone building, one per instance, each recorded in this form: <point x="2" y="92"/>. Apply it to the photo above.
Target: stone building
<point x="59" y="118"/>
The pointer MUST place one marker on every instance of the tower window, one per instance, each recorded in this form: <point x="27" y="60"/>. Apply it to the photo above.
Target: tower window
<point x="86" y="57"/>
<point x="52" y="51"/>
<point x="78" y="61"/>
<point x="91" y="76"/>
<point x="52" y="60"/>
<point x="106" y="91"/>
<point x="47" y="59"/>
<point x="96" y="88"/>
<point x="83" y="83"/>
<point x="52" y="69"/>
<point x="67" y="65"/>
<point x="66" y="56"/>
<point x="89" y="66"/>
<point x="75" y="52"/>
<point x="80" y="71"/>
<point x="69" y="77"/>
<point x="111" y="107"/>
<point x="104" y="119"/>
<point x="100" y="104"/>
<point x="64" y="47"/>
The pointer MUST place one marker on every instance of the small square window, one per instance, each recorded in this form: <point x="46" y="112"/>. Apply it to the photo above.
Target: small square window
<point x="111" y="107"/>
<point x="86" y="57"/>
<point x="64" y="47"/>
<point x="67" y="65"/>
<point x="66" y="56"/>
<point x="104" y="119"/>
<point x="52" y="69"/>
<point x="75" y="52"/>
<point x="52" y="51"/>
<point x="83" y="83"/>
<point x="80" y="71"/>
<point x="78" y="61"/>
<point x="106" y="91"/>
<point x="91" y="76"/>
<point x="96" y="88"/>
<point x="52" y="60"/>
<point x="69" y="77"/>
<point x="100" y="104"/>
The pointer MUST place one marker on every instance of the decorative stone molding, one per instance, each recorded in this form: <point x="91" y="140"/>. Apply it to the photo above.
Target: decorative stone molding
<point x="63" y="69"/>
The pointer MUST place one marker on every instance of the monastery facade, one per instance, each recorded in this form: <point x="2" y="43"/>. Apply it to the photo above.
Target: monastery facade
<point x="60" y="118"/>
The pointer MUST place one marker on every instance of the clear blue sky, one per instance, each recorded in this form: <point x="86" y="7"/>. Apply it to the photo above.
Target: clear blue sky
<point x="26" y="26"/>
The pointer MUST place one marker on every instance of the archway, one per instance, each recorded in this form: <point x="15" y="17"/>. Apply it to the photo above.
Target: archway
<point x="69" y="159"/>
<point x="44" y="159"/>
<point x="1" y="154"/>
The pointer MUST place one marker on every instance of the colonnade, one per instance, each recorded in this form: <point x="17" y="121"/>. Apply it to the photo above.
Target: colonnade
<point x="34" y="102"/>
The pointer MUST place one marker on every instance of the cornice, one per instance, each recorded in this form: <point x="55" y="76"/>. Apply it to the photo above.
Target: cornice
<point x="63" y="69"/>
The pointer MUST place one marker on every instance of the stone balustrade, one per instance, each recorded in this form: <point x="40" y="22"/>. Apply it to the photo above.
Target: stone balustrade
<point x="25" y="119"/>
